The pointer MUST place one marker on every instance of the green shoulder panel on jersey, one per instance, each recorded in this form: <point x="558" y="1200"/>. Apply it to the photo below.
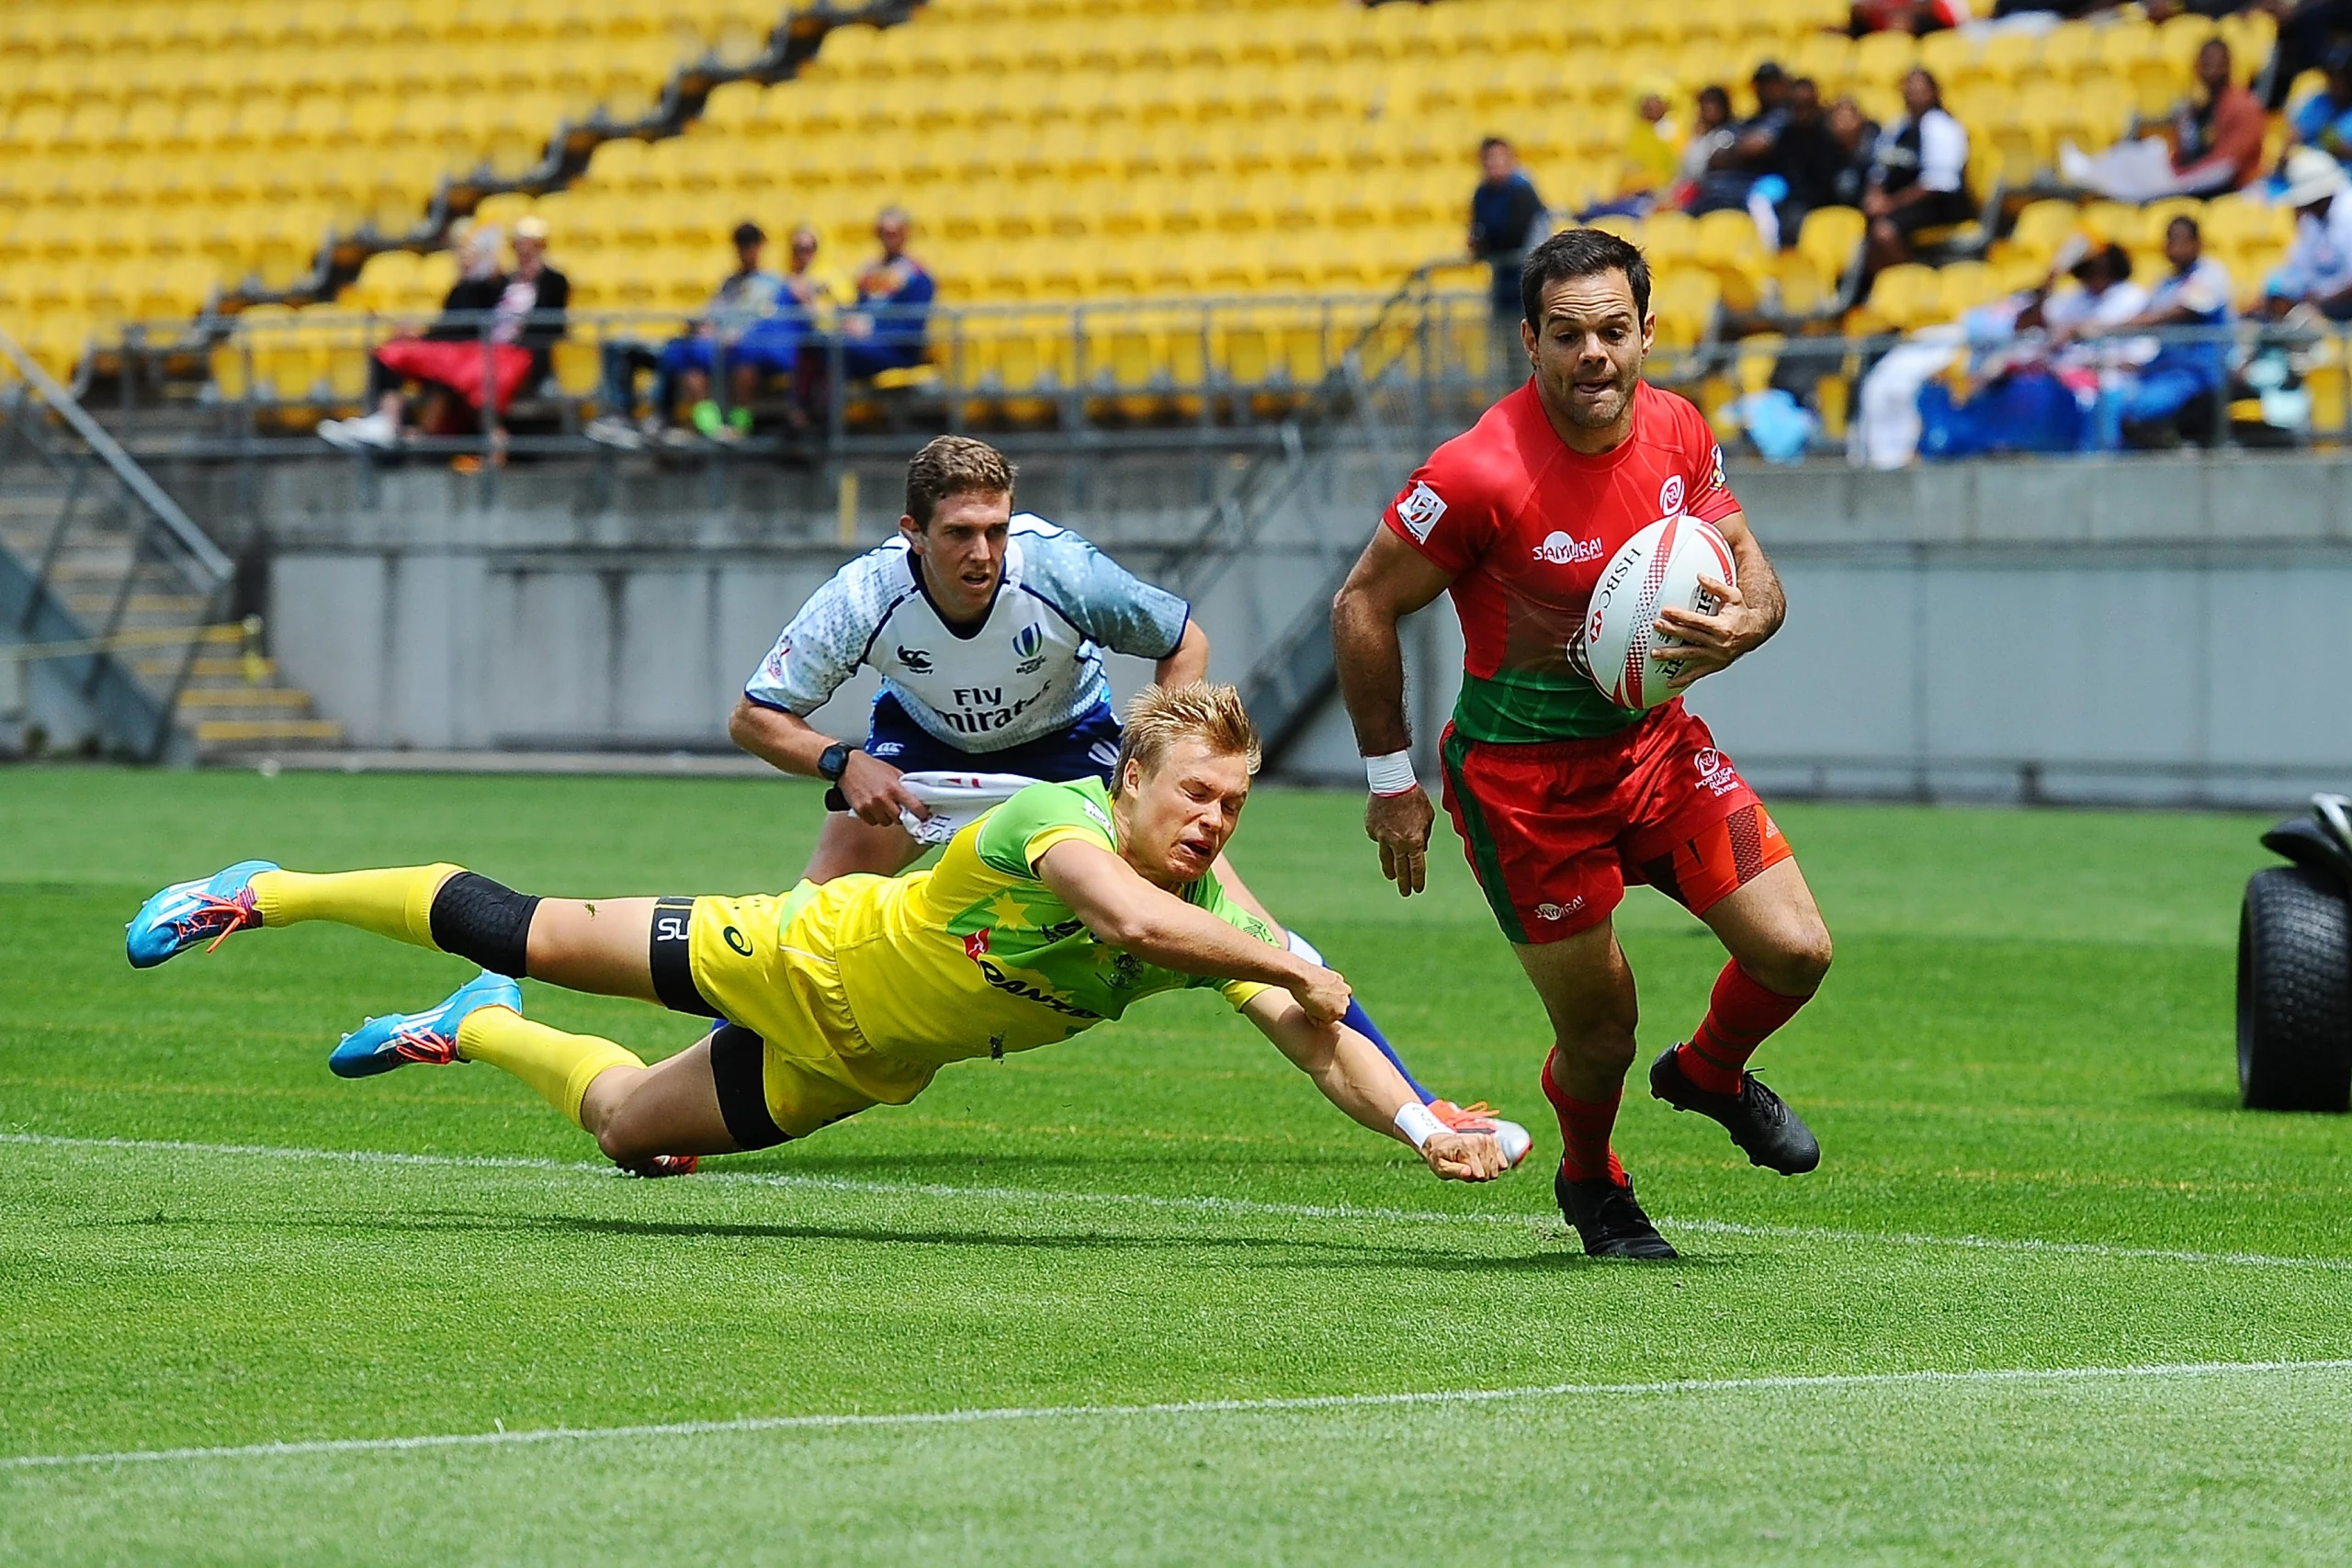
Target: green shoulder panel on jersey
<point x="1517" y="707"/>
<point x="1030" y="945"/>
<point x="1006" y="833"/>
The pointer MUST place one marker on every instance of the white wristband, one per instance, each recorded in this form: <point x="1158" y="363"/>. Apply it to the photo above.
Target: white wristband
<point x="1391" y="774"/>
<point x="1418" y="1123"/>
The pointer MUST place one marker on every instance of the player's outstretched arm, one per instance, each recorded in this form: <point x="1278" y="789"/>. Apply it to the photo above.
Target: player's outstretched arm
<point x="1356" y="1078"/>
<point x="1186" y="662"/>
<point x="1127" y="912"/>
<point x="1391" y="580"/>
<point x="789" y="744"/>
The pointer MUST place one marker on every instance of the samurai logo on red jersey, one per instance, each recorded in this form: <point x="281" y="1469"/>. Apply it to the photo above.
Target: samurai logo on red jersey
<point x="1523" y="525"/>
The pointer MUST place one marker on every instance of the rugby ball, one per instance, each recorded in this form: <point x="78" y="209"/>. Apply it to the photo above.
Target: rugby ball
<point x="1658" y="568"/>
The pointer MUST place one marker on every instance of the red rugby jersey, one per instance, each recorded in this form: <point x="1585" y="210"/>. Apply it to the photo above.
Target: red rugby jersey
<point x="1524" y="524"/>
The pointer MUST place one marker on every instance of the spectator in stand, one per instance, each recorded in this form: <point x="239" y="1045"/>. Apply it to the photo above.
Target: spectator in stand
<point x="1732" y="173"/>
<point x="2181" y="385"/>
<point x="1813" y="161"/>
<point x="2317" y="275"/>
<point x="496" y="334"/>
<point x="802" y="306"/>
<point x="1918" y="173"/>
<point x="894" y="295"/>
<point x="1710" y="132"/>
<point x="2323" y="119"/>
<point x="739" y="326"/>
<point x="1653" y="154"/>
<point x="1506" y="217"/>
<point x="2308" y="32"/>
<point x="2213" y="144"/>
<point x="812" y="303"/>
<point x="2008" y="342"/>
<point x="1907" y="16"/>
<point x="1856" y="151"/>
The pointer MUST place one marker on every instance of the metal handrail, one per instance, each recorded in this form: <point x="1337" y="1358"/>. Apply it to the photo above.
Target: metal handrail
<point x="216" y="567"/>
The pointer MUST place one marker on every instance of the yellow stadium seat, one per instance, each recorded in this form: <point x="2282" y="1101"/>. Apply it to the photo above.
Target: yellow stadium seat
<point x="2043" y="227"/>
<point x="1906" y="296"/>
<point x="1883" y="58"/>
<point x="1686" y="303"/>
<point x="1962" y="285"/>
<point x="1831" y="237"/>
<point x="1800" y="287"/>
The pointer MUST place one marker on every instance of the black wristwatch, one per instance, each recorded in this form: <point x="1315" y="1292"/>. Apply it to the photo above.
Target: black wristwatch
<point x="834" y="762"/>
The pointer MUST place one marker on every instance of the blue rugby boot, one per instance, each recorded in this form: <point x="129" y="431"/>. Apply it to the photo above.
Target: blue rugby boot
<point x="187" y="912"/>
<point x="430" y="1038"/>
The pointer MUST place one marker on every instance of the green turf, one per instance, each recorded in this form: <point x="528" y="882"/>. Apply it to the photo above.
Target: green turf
<point x="2026" y="1039"/>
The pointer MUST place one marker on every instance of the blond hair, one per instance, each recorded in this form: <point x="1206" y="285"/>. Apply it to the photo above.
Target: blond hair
<point x="1161" y="716"/>
<point x="954" y="465"/>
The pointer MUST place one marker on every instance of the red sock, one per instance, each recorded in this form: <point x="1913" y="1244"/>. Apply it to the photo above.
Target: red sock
<point x="1584" y="1130"/>
<point x="1739" y="1015"/>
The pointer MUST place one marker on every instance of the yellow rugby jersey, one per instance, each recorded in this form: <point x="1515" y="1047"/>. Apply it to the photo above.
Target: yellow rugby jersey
<point x="977" y="956"/>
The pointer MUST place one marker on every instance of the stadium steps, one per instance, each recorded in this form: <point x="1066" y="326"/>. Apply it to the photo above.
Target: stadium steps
<point x="101" y="571"/>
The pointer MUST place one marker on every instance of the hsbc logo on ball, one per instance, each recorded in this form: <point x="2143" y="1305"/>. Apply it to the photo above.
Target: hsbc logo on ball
<point x="1557" y="912"/>
<point x="1564" y="550"/>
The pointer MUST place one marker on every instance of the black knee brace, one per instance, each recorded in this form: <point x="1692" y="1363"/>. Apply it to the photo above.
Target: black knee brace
<point x="478" y="919"/>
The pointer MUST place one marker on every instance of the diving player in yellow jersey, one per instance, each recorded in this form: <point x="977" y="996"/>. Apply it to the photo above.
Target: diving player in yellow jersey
<point x="1054" y="912"/>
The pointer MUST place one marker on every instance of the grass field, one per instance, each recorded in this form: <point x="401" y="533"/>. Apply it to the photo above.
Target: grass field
<point x="2052" y="1297"/>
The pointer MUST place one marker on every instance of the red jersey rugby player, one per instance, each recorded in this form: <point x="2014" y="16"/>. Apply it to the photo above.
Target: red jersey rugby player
<point x="1561" y="797"/>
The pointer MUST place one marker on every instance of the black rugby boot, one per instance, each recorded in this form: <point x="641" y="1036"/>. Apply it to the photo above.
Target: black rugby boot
<point x="1606" y="1216"/>
<point x="1759" y="1121"/>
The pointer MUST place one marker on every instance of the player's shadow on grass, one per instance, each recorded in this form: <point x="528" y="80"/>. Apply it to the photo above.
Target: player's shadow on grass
<point x="1261" y="1252"/>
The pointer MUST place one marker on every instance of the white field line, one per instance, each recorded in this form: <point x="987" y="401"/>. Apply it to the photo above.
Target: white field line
<point x="1194" y="1204"/>
<point x="845" y="1420"/>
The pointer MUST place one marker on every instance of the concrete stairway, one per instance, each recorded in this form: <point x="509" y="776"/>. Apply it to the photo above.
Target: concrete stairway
<point x="116" y="591"/>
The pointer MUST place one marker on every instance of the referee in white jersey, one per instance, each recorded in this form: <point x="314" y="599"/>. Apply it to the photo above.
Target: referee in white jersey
<point x="987" y="628"/>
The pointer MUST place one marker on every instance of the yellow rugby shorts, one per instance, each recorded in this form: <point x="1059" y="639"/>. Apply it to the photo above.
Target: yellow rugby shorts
<point x="762" y="962"/>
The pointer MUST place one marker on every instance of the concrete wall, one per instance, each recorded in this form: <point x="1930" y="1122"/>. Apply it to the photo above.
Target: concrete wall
<point x="2155" y="628"/>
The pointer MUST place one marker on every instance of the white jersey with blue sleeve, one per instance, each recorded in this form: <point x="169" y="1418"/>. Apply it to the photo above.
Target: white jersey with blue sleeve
<point x="1032" y="666"/>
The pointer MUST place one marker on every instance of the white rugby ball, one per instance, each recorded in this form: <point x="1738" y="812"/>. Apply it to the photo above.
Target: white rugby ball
<point x="1658" y="568"/>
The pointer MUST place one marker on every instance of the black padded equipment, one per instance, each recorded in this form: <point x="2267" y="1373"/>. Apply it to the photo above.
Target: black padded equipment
<point x="738" y="1066"/>
<point x="2308" y="844"/>
<point x="669" y="954"/>
<point x="2295" y="992"/>
<point x="484" y="921"/>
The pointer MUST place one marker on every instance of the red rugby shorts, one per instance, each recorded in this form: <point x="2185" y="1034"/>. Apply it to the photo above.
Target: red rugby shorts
<point x="1556" y="830"/>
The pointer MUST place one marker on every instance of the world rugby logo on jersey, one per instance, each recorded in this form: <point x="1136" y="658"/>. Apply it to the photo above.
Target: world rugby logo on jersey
<point x="1421" y="510"/>
<point x="1565" y="549"/>
<point x="1026" y="644"/>
<point x="1670" y="496"/>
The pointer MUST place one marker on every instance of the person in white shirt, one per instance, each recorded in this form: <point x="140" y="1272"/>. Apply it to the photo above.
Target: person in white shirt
<point x="1919" y="179"/>
<point x="2317" y="272"/>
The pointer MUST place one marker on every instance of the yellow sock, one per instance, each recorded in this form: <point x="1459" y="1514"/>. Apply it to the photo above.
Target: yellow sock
<point x="396" y="903"/>
<point x="556" y="1065"/>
